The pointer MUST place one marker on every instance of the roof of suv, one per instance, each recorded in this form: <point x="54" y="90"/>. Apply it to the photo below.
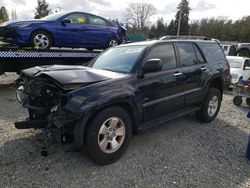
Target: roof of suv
<point x="152" y="42"/>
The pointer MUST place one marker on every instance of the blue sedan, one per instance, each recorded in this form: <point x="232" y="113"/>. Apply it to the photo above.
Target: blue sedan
<point x="64" y="29"/>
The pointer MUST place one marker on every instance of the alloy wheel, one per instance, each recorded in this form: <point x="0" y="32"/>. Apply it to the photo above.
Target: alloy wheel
<point x="111" y="135"/>
<point x="41" y="41"/>
<point x="213" y="106"/>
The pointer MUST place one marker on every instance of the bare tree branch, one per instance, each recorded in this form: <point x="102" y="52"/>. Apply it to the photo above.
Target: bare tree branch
<point x="137" y="14"/>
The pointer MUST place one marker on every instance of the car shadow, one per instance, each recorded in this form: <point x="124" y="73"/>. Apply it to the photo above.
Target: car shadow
<point x="183" y="153"/>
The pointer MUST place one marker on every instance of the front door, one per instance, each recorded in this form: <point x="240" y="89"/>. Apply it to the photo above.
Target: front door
<point x="162" y="92"/>
<point x="70" y="34"/>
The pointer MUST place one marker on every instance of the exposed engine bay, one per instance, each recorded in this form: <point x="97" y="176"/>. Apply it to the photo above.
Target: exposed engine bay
<point x="43" y="98"/>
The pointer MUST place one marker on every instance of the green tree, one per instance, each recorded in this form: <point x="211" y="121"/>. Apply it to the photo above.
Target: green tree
<point x="160" y="28"/>
<point x="182" y="17"/>
<point x="152" y="32"/>
<point x="42" y="9"/>
<point x="3" y="14"/>
<point x="171" y="29"/>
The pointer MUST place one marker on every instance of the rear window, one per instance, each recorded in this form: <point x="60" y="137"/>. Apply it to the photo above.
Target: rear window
<point x="212" y="52"/>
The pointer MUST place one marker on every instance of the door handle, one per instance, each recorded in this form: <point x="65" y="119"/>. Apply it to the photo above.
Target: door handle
<point x="203" y="68"/>
<point x="177" y="74"/>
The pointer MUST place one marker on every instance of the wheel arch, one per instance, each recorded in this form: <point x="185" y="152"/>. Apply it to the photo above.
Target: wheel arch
<point x="44" y="30"/>
<point x="81" y="124"/>
<point x="216" y="83"/>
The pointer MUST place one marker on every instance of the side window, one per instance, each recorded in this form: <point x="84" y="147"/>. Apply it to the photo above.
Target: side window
<point x="94" y="20"/>
<point x="78" y="18"/>
<point x="198" y="55"/>
<point x="212" y="52"/>
<point x="247" y="63"/>
<point x="187" y="54"/>
<point x="166" y="53"/>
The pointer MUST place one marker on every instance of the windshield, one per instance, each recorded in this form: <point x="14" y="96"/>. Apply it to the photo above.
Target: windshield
<point x="55" y="16"/>
<point x="236" y="63"/>
<point x="119" y="59"/>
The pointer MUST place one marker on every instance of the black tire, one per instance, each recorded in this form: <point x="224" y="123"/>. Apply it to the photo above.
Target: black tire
<point x="244" y="53"/>
<point x="46" y="35"/>
<point x="248" y="101"/>
<point x="237" y="100"/>
<point x="92" y="136"/>
<point x="203" y="114"/>
<point x="112" y="40"/>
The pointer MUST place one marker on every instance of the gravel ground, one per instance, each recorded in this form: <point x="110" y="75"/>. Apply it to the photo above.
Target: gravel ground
<point x="183" y="153"/>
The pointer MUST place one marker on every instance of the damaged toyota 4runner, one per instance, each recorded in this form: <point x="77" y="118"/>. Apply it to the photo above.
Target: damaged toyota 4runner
<point x="124" y="90"/>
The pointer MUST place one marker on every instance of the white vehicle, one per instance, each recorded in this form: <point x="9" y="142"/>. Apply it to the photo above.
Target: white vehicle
<point x="229" y="50"/>
<point x="239" y="66"/>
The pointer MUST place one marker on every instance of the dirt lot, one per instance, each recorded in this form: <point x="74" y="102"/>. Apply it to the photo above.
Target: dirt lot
<point x="183" y="153"/>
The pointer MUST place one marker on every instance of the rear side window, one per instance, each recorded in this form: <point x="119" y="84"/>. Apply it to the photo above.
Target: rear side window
<point x="166" y="53"/>
<point x="212" y="52"/>
<point x="187" y="54"/>
<point x="94" y="20"/>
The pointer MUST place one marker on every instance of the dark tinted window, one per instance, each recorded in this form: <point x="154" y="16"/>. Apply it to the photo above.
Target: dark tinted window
<point x="247" y="63"/>
<point x="78" y="18"/>
<point x="166" y="53"/>
<point x="212" y="52"/>
<point x="187" y="54"/>
<point x="94" y="20"/>
<point x="198" y="55"/>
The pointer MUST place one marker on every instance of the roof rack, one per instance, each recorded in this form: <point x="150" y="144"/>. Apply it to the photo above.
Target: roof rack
<point x="168" y="37"/>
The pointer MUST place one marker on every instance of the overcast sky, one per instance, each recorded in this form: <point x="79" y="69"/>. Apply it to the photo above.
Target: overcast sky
<point x="232" y="9"/>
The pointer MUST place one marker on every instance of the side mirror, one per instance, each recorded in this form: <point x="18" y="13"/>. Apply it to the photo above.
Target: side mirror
<point x="246" y="68"/>
<point x="152" y="65"/>
<point x="66" y="21"/>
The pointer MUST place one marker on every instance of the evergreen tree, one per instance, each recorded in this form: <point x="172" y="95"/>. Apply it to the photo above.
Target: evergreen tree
<point x="3" y="14"/>
<point x="171" y="30"/>
<point x="42" y="9"/>
<point x="182" y="15"/>
<point x="152" y="32"/>
<point x="160" y="27"/>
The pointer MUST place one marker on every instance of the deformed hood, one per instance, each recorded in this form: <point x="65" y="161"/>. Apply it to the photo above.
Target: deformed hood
<point x="69" y="75"/>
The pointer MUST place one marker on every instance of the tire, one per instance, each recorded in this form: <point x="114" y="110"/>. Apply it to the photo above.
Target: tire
<point x="210" y="106"/>
<point x="112" y="42"/>
<point x="102" y="145"/>
<point x="248" y="101"/>
<point x="243" y="53"/>
<point x="237" y="100"/>
<point x="41" y="40"/>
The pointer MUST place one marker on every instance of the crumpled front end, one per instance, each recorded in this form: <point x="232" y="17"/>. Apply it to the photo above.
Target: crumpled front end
<point x="45" y="102"/>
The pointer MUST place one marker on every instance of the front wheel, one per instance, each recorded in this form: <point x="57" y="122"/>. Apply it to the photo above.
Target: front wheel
<point x="108" y="135"/>
<point x="41" y="40"/>
<point x="210" y="106"/>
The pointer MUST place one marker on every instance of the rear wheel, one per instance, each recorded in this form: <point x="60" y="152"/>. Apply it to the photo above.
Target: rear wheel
<point x="41" y="40"/>
<point x="237" y="100"/>
<point x="108" y="135"/>
<point x="211" y="106"/>
<point x="113" y="42"/>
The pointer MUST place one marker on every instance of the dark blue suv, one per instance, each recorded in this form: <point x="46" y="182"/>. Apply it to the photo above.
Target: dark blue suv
<point x="64" y="29"/>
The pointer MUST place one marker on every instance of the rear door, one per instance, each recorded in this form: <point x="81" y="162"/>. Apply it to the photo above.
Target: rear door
<point x="162" y="92"/>
<point x="98" y="31"/>
<point x="193" y="67"/>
